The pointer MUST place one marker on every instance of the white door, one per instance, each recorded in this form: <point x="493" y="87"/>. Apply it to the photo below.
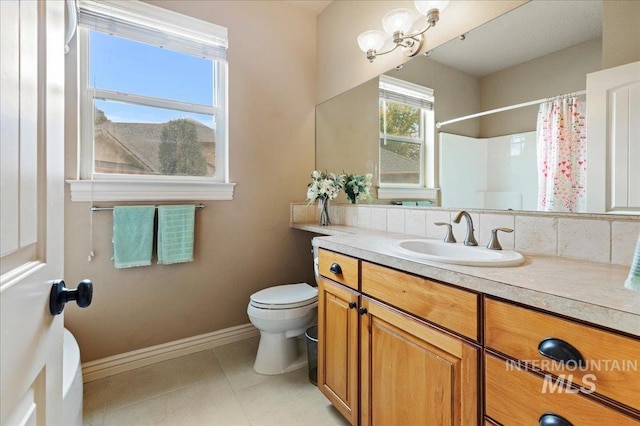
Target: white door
<point x="31" y="209"/>
<point x="613" y="139"/>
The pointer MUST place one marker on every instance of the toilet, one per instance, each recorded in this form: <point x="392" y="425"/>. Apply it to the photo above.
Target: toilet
<point x="282" y="314"/>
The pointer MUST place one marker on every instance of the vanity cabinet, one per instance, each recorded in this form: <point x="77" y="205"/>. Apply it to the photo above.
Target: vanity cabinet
<point x="400" y="349"/>
<point x="449" y="307"/>
<point x="338" y="331"/>
<point x="413" y="374"/>
<point x="598" y="363"/>
<point x="379" y="361"/>
<point x="519" y="397"/>
<point x="338" y="346"/>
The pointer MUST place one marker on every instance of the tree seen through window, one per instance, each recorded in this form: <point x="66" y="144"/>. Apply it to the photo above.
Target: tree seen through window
<point x="401" y="120"/>
<point x="180" y="153"/>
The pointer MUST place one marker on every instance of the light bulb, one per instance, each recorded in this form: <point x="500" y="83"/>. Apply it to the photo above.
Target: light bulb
<point x="398" y="20"/>
<point x="371" y="40"/>
<point x="424" y="6"/>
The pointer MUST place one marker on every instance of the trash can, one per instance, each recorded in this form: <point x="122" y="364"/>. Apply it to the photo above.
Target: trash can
<point x="312" y="353"/>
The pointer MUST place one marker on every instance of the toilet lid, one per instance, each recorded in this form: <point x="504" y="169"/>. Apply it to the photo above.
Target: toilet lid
<point x="285" y="296"/>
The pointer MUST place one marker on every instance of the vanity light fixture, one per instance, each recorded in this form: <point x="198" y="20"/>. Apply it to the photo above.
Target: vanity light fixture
<point x="397" y="24"/>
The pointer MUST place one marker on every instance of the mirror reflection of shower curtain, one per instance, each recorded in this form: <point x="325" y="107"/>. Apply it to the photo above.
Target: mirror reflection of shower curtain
<point x="562" y="156"/>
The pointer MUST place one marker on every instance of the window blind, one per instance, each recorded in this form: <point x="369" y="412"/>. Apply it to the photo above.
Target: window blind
<point x="400" y="91"/>
<point x="156" y="26"/>
<point x="407" y="99"/>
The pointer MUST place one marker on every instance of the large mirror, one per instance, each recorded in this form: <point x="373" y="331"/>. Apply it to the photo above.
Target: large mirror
<point x="540" y="50"/>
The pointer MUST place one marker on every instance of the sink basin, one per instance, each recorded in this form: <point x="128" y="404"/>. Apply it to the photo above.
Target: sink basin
<point x="458" y="254"/>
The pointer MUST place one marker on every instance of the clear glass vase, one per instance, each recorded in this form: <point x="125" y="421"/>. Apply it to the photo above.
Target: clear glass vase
<point x="323" y="205"/>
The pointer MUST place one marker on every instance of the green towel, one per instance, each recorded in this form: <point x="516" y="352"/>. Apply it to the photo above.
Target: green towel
<point x="409" y="203"/>
<point x="424" y="203"/>
<point x="175" y="234"/>
<point x="132" y="235"/>
<point x="633" y="282"/>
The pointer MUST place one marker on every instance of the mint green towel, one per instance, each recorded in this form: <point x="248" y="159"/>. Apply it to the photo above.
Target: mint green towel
<point x="409" y="203"/>
<point x="132" y="235"/>
<point x="633" y="282"/>
<point x="424" y="203"/>
<point x="175" y="234"/>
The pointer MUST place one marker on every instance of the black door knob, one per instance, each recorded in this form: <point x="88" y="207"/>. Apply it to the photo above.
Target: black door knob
<point x="362" y="311"/>
<point x="352" y="305"/>
<point x="60" y="295"/>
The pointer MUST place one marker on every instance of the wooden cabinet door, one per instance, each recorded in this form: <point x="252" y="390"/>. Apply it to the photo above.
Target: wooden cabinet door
<point x="413" y="374"/>
<point x="338" y="347"/>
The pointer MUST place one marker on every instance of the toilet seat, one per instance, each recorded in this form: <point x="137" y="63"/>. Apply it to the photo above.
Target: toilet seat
<point x="288" y="296"/>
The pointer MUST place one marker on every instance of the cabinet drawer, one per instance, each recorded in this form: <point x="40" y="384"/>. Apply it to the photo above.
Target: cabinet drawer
<point x="449" y="307"/>
<point x="612" y="362"/>
<point x="516" y="397"/>
<point x="347" y="271"/>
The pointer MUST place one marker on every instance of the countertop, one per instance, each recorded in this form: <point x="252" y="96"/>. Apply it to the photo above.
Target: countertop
<point x="588" y="291"/>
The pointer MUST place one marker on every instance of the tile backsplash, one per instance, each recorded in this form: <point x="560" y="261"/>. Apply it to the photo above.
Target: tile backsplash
<point x="597" y="238"/>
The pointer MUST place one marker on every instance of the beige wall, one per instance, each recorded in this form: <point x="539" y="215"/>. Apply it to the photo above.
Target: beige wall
<point x="550" y="75"/>
<point x="242" y="245"/>
<point x="620" y="32"/>
<point x="341" y="63"/>
<point x="456" y="93"/>
<point x="347" y="131"/>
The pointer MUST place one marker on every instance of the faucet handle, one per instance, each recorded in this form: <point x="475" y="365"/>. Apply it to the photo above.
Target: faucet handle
<point x="494" y="244"/>
<point x="449" y="238"/>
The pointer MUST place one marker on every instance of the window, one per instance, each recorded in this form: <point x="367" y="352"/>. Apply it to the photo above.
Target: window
<point x="406" y="139"/>
<point x="153" y="104"/>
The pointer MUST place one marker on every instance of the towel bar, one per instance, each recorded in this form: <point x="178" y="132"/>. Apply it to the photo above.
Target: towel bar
<point x="101" y="209"/>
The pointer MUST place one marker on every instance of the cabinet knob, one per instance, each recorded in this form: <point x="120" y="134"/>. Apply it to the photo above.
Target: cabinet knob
<point x="335" y="268"/>
<point x="352" y="305"/>
<point x="362" y="311"/>
<point x="561" y="351"/>
<point x="550" y="419"/>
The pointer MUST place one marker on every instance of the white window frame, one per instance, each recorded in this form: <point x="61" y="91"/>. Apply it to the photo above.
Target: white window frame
<point x="426" y="188"/>
<point x="92" y="186"/>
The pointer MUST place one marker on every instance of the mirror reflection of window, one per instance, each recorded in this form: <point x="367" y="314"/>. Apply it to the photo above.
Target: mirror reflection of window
<point x="406" y="121"/>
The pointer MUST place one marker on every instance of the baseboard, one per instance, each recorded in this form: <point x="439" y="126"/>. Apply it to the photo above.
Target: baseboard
<point x="100" y="368"/>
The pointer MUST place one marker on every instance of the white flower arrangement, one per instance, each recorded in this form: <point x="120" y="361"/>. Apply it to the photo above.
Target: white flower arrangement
<point x="325" y="186"/>
<point x="358" y="187"/>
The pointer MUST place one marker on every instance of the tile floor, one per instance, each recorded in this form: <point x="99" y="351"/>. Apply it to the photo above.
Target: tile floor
<point x="212" y="387"/>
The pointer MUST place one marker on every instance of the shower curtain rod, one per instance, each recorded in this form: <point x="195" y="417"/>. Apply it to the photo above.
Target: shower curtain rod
<point x="102" y="209"/>
<point x="439" y="124"/>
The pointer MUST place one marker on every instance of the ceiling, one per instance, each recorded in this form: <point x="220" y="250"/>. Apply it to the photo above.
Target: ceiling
<point x="315" y="7"/>
<point x="535" y="29"/>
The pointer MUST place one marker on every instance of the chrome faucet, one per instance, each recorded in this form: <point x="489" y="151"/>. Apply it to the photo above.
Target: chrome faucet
<point x="469" y="239"/>
<point x="449" y="238"/>
<point x="494" y="244"/>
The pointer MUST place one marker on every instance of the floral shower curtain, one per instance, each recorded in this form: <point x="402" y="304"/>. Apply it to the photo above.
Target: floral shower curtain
<point x="562" y="156"/>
